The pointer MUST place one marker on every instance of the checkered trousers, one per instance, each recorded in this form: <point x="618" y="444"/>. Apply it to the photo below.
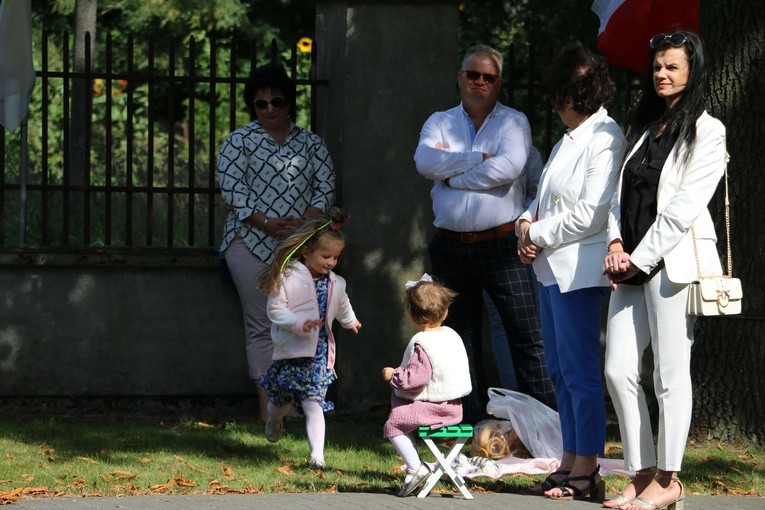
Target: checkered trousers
<point x="493" y="265"/>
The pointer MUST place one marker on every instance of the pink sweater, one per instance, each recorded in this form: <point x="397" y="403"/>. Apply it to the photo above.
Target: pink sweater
<point x="295" y="303"/>
<point x="407" y="415"/>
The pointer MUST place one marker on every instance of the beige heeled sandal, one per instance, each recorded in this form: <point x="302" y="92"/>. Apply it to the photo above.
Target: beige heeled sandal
<point x="621" y="500"/>
<point x="674" y="504"/>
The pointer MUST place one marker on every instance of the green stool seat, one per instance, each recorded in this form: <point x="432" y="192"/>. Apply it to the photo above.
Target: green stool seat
<point x="461" y="433"/>
<point x="461" y="430"/>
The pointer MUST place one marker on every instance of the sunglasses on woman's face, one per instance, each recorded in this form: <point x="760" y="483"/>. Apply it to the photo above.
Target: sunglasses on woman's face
<point x="487" y="77"/>
<point x="277" y="103"/>
<point x="662" y="40"/>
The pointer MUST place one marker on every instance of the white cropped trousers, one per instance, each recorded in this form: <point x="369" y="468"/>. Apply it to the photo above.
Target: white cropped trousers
<point x="653" y="314"/>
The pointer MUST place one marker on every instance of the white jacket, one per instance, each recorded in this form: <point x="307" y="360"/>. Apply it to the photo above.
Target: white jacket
<point x="295" y="303"/>
<point x="573" y="201"/>
<point x="683" y="193"/>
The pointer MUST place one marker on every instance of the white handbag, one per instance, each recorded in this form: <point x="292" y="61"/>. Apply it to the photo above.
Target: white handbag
<point x="712" y="296"/>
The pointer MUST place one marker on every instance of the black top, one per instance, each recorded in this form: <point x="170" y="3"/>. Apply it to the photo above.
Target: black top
<point x="640" y="183"/>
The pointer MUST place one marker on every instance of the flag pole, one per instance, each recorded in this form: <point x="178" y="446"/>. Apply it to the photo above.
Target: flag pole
<point x="23" y="183"/>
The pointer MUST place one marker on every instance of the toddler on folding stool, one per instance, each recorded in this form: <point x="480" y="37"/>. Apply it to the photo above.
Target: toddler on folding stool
<point x="433" y="377"/>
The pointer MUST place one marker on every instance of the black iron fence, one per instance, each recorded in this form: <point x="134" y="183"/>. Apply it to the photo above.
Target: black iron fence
<point x="131" y="161"/>
<point x="122" y="152"/>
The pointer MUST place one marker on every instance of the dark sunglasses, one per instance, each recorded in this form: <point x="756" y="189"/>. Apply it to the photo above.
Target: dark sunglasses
<point x="277" y="103"/>
<point x="487" y="77"/>
<point x="661" y="40"/>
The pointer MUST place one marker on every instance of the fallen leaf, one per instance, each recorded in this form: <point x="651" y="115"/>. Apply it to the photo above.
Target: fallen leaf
<point x="28" y="477"/>
<point x="87" y="459"/>
<point x="123" y="475"/>
<point x="145" y="460"/>
<point x="285" y="470"/>
<point x="227" y="471"/>
<point x="33" y="490"/>
<point x="182" y="482"/>
<point x="162" y="487"/>
<point x="203" y="425"/>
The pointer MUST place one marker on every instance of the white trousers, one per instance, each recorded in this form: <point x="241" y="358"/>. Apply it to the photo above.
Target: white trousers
<point x="653" y="314"/>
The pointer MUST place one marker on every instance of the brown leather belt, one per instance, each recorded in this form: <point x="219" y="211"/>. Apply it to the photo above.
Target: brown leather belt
<point x="476" y="237"/>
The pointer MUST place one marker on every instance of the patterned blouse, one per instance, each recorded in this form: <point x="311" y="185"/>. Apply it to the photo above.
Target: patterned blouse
<point x="255" y="174"/>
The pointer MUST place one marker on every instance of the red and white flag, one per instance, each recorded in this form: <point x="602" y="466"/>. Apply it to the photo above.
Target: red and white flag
<point x="17" y="73"/>
<point x="626" y="26"/>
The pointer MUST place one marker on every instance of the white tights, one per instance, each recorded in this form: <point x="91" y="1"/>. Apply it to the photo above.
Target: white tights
<point x="314" y="424"/>
<point x="405" y="446"/>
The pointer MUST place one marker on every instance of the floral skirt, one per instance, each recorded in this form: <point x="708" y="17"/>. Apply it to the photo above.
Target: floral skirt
<point x="290" y="381"/>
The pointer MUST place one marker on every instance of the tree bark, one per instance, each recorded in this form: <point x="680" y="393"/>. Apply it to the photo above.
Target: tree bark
<point x="81" y="114"/>
<point x="728" y="365"/>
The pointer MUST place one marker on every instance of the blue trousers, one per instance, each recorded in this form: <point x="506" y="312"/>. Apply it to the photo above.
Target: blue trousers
<point x="571" y="337"/>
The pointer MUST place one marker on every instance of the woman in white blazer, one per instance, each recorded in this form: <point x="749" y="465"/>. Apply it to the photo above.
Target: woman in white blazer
<point x="564" y="233"/>
<point x="674" y="163"/>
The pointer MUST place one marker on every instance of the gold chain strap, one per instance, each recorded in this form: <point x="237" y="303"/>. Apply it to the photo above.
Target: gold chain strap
<point x="729" y="252"/>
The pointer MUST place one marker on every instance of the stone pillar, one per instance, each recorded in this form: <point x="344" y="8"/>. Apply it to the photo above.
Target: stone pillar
<point x="390" y="64"/>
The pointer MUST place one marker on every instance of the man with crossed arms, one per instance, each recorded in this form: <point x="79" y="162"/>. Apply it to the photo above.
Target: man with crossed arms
<point x="475" y="155"/>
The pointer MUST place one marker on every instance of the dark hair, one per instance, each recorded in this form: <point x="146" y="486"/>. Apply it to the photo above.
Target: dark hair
<point x="581" y="74"/>
<point x="268" y="76"/>
<point x="307" y="237"/>
<point x="427" y="303"/>
<point x="651" y="110"/>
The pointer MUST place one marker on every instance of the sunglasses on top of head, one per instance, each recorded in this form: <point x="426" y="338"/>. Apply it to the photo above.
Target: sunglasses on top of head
<point x="487" y="77"/>
<point x="676" y="40"/>
<point x="277" y="103"/>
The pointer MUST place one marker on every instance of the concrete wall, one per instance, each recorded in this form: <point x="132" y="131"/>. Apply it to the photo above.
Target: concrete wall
<point x="389" y="65"/>
<point x="104" y="324"/>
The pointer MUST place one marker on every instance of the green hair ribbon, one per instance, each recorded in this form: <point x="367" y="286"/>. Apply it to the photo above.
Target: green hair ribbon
<point x="296" y="248"/>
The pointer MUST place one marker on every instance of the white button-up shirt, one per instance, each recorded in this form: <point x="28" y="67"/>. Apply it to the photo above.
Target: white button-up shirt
<point x="482" y="194"/>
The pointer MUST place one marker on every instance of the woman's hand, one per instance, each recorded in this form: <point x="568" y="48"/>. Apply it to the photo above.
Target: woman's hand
<point x="356" y="327"/>
<point x="527" y="250"/>
<point x="387" y="373"/>
<point x="282" y="227"/>
<point x="618" y="266"/>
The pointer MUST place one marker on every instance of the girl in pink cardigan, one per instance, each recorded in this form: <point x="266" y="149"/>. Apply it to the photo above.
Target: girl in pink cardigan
<point x="304" y="298"/>
<point x="433" y="376"/>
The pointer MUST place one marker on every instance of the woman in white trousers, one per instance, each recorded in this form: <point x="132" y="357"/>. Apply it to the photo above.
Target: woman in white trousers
<point x="676" y="157"/>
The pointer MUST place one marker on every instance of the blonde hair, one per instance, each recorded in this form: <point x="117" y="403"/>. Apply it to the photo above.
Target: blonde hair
<point x="304" y="239"/>
<point x="427" y="303"/>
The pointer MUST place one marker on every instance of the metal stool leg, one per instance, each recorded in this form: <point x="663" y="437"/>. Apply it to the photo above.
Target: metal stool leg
<point x="444" y="465"/>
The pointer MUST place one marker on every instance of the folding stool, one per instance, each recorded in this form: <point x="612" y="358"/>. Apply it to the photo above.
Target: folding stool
<point x="444" y="464"/>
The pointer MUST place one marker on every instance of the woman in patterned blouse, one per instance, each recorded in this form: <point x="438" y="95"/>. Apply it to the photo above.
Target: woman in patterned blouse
<point x="272" y="174"/>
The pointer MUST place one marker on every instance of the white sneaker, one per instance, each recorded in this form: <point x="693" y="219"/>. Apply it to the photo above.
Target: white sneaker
<point x="316" y="463"/>
<point x="409" y="487"/>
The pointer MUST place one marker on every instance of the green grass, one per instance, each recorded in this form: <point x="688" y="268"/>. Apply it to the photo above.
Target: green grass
<point x="108" y="457"/>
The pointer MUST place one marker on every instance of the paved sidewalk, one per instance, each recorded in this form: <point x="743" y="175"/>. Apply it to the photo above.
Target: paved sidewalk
<point x="352" y="501"/>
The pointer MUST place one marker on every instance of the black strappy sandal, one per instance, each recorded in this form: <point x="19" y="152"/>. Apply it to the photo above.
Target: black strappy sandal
<point x="550" y="482"/>
<point x="596" y="491"/>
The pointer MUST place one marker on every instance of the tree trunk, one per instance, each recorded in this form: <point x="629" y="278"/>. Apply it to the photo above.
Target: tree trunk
<point x="728" y="364"/>
<point x="81" y="114"/>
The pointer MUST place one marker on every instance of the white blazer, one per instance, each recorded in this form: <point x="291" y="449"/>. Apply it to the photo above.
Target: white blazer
<point x="684" y="191"/>
<point x="573" y="201"/>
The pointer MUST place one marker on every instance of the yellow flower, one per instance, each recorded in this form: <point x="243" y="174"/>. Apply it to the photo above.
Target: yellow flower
<point x="98" y="87"/>
<point x="305" y="44"/>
